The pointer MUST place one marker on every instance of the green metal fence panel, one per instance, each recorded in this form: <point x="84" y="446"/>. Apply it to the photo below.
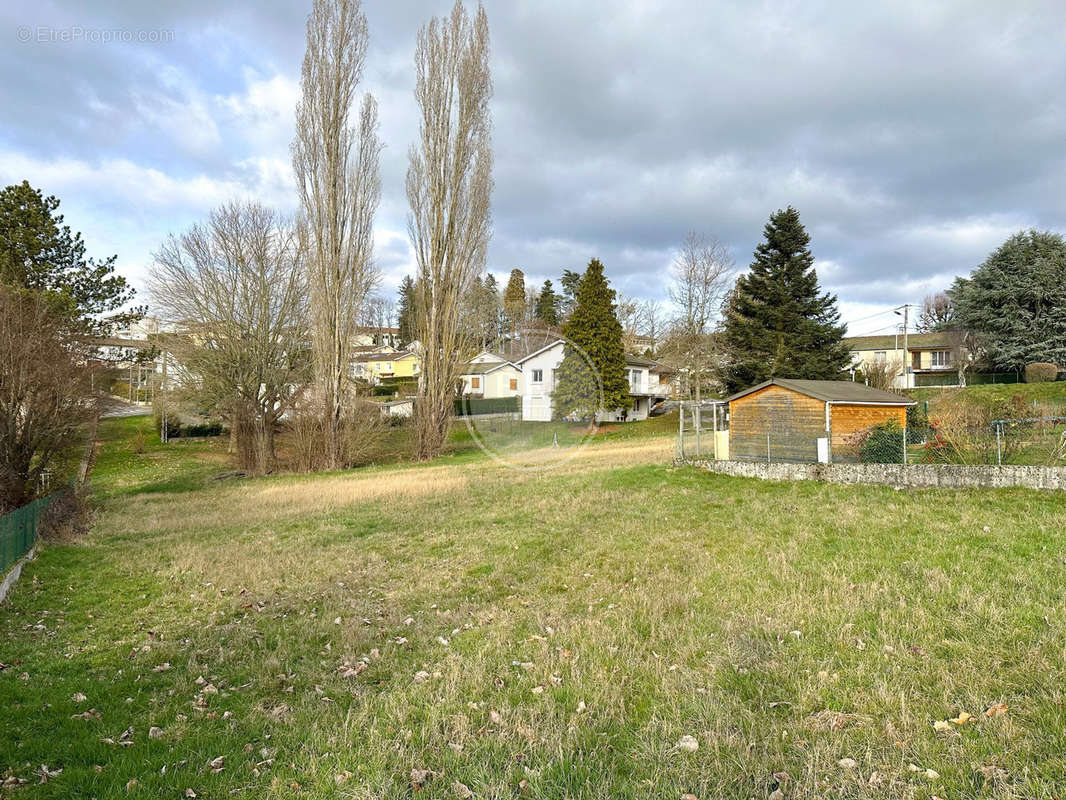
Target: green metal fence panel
<point x="18" y="531"/>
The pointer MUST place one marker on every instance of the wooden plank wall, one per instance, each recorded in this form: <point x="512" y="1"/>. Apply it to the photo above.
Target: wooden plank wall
<point x="847" y="420"/>
<point x="794" y="421"/>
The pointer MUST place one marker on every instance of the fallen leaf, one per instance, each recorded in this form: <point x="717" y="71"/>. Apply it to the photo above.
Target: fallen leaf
<point x="419" y="778"/>
<point x="932" y="774"/>
<point x="80" y="698"/>
<point x="942" y="725"/>
<point x="963" y="718"/>
<point x="217" y="764"/>
<point x="131" y="783"/>
<point x="848" y="763"/>
<point x="92" y="713"/>
<point x="996" y="710"/>
<point x="462" y="790"/>
<point x="155" y="733"/>
<point x="190" y="793"/>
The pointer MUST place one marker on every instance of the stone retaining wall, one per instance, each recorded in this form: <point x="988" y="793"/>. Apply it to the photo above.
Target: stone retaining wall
<point x="923" y="476"/>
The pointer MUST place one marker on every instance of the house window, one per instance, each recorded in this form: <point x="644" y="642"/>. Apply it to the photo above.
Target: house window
<point x="514" y="384"/>
<point x="634" y="379"/>
<point x="941" y="358"/>
<point x="538" y="376"/>
<point x="880" y="357"/>
<point x="475" y="383"/>
<point x="388" y="366"/>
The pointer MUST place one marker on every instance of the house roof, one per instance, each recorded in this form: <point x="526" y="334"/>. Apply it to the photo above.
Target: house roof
<point x="361" y="357"/>
<point x="640" y="361"/>
<point x="831" y="392"/>
<point x="539" y="351"/>
<point x="485" y="369"/>
<point x="915" y="341"/>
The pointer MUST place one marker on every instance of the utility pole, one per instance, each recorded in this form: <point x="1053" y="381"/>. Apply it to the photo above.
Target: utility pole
<point x="906" y="307"/>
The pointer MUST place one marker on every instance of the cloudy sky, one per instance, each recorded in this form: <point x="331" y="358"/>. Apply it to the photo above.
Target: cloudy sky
<point x="913" y="139"/>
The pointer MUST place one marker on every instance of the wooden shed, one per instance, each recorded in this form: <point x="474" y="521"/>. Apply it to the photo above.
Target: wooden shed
<point x="786" y="419"/>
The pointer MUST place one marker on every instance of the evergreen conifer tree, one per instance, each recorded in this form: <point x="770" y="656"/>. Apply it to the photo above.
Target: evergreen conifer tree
<point x="547" y="307"/>
<point x="778" y="322"/>
<point x="600" y="363"/>
<point x="514" y="300"/>
<point x="405" y="315"/>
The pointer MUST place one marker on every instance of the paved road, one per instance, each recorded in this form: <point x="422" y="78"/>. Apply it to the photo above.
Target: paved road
<point x="119" y="408"/>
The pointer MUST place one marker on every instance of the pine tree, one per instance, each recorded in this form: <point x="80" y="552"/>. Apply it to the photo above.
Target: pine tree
<point x="514" y="300"/>
<point x="596" y="363"/>
<point x="778" y="322"/>
<point x="41" y="254"/>
<point x="547" y="307"/>
<point x="406" y="309"/>
<point x="569" y="283"/>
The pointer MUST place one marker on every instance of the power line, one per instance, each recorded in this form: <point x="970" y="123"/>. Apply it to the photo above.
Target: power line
<point x="871" y="316"/>
<point x="893" y="326"/>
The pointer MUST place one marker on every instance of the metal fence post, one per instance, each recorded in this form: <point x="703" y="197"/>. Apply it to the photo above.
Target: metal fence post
<point x="698" y="423"/>
<point x="904" y="447"/>
<point x="999" y="446"/>
<point x="681" y="430"/>
<point x="768" y="447"/>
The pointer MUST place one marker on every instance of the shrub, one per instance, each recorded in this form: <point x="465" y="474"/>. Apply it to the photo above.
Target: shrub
<point x="173" y="427"/>
<point x="203" y="429"/>
<point x="882" y="444"/>
<point x="1041" y="372"/>
<point x="66" y="517"/>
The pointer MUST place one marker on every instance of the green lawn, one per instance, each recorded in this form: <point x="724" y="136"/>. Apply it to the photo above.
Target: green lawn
<point x="998" y="394"/>
<point x="536" y="634"/>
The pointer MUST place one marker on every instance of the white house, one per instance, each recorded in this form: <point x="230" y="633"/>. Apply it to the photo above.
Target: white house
<point x="490" y="375"/>
<point x="538" y="382"/>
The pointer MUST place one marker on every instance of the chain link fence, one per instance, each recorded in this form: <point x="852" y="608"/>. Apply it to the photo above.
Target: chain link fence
<point x="703" y="433"/>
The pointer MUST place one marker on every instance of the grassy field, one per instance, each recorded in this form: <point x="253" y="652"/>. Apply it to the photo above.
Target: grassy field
<point x="463" y="629"/>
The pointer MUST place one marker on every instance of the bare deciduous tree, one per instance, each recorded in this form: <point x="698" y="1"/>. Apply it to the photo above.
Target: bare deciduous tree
<point x="449" y="187"/>
<point x="337" y="175"/>
<point x="936" y="314"/>
<point x="700" y="278"/>
<point x="234" y="292"/>
<point x="45" y="396"/>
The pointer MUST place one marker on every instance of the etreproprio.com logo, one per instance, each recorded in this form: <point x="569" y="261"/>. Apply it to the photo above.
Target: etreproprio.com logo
<point x="539" y="445"/>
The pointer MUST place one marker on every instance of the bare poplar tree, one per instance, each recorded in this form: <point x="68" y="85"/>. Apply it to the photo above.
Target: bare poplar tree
<point x="336" y="166"/>
<point x="449" y="186"/>
<point x="234" y="294"/>
<point x="700" y="278"/>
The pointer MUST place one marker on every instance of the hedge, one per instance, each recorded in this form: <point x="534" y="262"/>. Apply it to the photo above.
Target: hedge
<point x="470" y="406"/>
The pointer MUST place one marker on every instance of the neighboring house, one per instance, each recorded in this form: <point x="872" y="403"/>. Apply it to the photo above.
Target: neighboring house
<point x="806" y="421"/>
<point x="539" y="378"/>
<point x="930" y="359"/>
<point x="377" y="337"/>
<point x="490" y="375"/>
<point x="372" y="367"/>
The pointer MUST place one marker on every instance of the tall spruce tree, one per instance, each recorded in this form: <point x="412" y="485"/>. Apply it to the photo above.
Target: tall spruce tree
<point x="600" y="362"/>
<point x="406" y="310"/>
<point x="547" y="306"/>
<point x="778" y="322"/>
<point x="514" y="300"/>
